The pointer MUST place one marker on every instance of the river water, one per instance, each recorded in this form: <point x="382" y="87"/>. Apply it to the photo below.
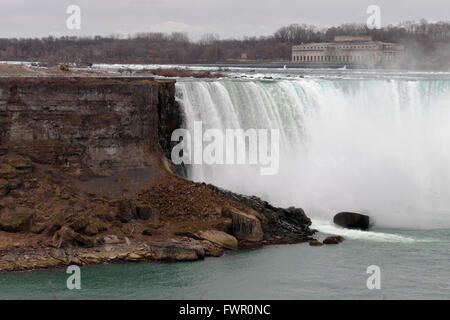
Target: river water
<point x="413" y="265"/>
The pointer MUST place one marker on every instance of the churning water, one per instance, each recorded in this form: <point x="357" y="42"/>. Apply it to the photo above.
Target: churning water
<point x="381" y="146"/>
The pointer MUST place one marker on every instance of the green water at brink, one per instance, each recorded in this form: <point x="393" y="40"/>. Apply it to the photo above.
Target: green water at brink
<point x="409" y="270"/>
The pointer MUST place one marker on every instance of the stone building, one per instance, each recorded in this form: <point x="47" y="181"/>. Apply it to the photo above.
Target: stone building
<point x="348" y="51"/>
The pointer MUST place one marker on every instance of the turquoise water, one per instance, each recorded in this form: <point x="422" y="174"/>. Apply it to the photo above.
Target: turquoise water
<point x="414" y="265"/>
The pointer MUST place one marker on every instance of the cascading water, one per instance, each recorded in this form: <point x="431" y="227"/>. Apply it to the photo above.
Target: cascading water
<point x="376" y="146"/>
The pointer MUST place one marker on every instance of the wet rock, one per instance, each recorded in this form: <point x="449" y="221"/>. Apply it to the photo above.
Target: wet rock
<point x="351" y="220"/>
<point x="244" y="226"/>
<point x="219" y="238"/>
<point x="279" y="225"/>
<point x="294" y="216"/>
<point x="174" y="252"/>
<point x="315" y="243"/>
<point x="212" y="250"/>
<point x="333" y="240"/>
<point x="17" y="220"/>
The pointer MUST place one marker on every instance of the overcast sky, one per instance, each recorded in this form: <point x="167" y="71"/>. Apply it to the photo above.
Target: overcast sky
<point x="227" y="18"/>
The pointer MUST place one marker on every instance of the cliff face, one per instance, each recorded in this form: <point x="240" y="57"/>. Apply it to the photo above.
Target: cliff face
<point x="87" y="126"/>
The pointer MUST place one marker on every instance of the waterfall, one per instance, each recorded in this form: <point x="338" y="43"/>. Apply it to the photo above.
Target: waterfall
<point x="380" y="147"/>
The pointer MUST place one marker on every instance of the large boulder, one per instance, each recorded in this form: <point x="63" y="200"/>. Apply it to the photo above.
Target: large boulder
<point x="244" y="226"/>
<point x="351" y="220"/>
<point x="219" y="238"/>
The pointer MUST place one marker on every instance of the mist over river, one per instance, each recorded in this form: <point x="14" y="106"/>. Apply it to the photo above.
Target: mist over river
<point x="366" y="141"/>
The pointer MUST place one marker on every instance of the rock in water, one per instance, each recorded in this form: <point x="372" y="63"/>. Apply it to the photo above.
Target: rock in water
<point x="352" y="220"/>
<point x="333" y="240"/>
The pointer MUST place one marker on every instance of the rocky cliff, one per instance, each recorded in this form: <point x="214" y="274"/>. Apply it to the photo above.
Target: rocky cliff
<point x="82" y="165"/>
<point x="90" y="126"/>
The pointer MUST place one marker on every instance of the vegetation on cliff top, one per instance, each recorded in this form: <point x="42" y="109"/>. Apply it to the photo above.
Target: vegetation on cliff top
<point x="421" y="39"/>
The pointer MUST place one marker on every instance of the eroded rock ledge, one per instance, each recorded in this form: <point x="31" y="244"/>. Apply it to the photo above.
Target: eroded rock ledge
<point x="84" y="179"/>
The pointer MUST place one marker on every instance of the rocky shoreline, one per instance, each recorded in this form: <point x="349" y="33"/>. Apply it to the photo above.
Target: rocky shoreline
<point x="134" y="232"/>
<point x="60" y="245"/>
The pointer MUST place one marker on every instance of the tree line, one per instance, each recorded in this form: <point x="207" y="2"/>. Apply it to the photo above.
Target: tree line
<point x="421" y="39"/>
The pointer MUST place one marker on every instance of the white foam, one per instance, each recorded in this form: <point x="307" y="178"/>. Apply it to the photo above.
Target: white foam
<point x="332" y="229"/>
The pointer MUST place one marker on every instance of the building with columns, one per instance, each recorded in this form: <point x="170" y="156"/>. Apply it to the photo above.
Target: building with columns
<point x="359" y="51"/>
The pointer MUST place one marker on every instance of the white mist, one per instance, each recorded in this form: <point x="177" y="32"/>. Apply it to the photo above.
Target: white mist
<point x="381" y="147"/>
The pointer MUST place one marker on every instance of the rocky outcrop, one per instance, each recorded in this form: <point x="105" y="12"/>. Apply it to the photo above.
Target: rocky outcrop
<point x="26" y="259"/>
<point x="219" y="238"/>
<point x="279" y="225"/>
<point x="351" y="220"/>
<point x="244" y="226"/>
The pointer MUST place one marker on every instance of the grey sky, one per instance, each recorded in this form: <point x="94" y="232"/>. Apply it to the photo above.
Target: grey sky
<point x="228" y="18"/>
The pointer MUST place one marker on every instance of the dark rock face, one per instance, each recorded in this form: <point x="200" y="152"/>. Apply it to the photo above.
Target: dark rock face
<point x="88" y="126"/>
<point x="279" y="225"/>
<point x="170" y="118"/>
<point x="351" y="220"/>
